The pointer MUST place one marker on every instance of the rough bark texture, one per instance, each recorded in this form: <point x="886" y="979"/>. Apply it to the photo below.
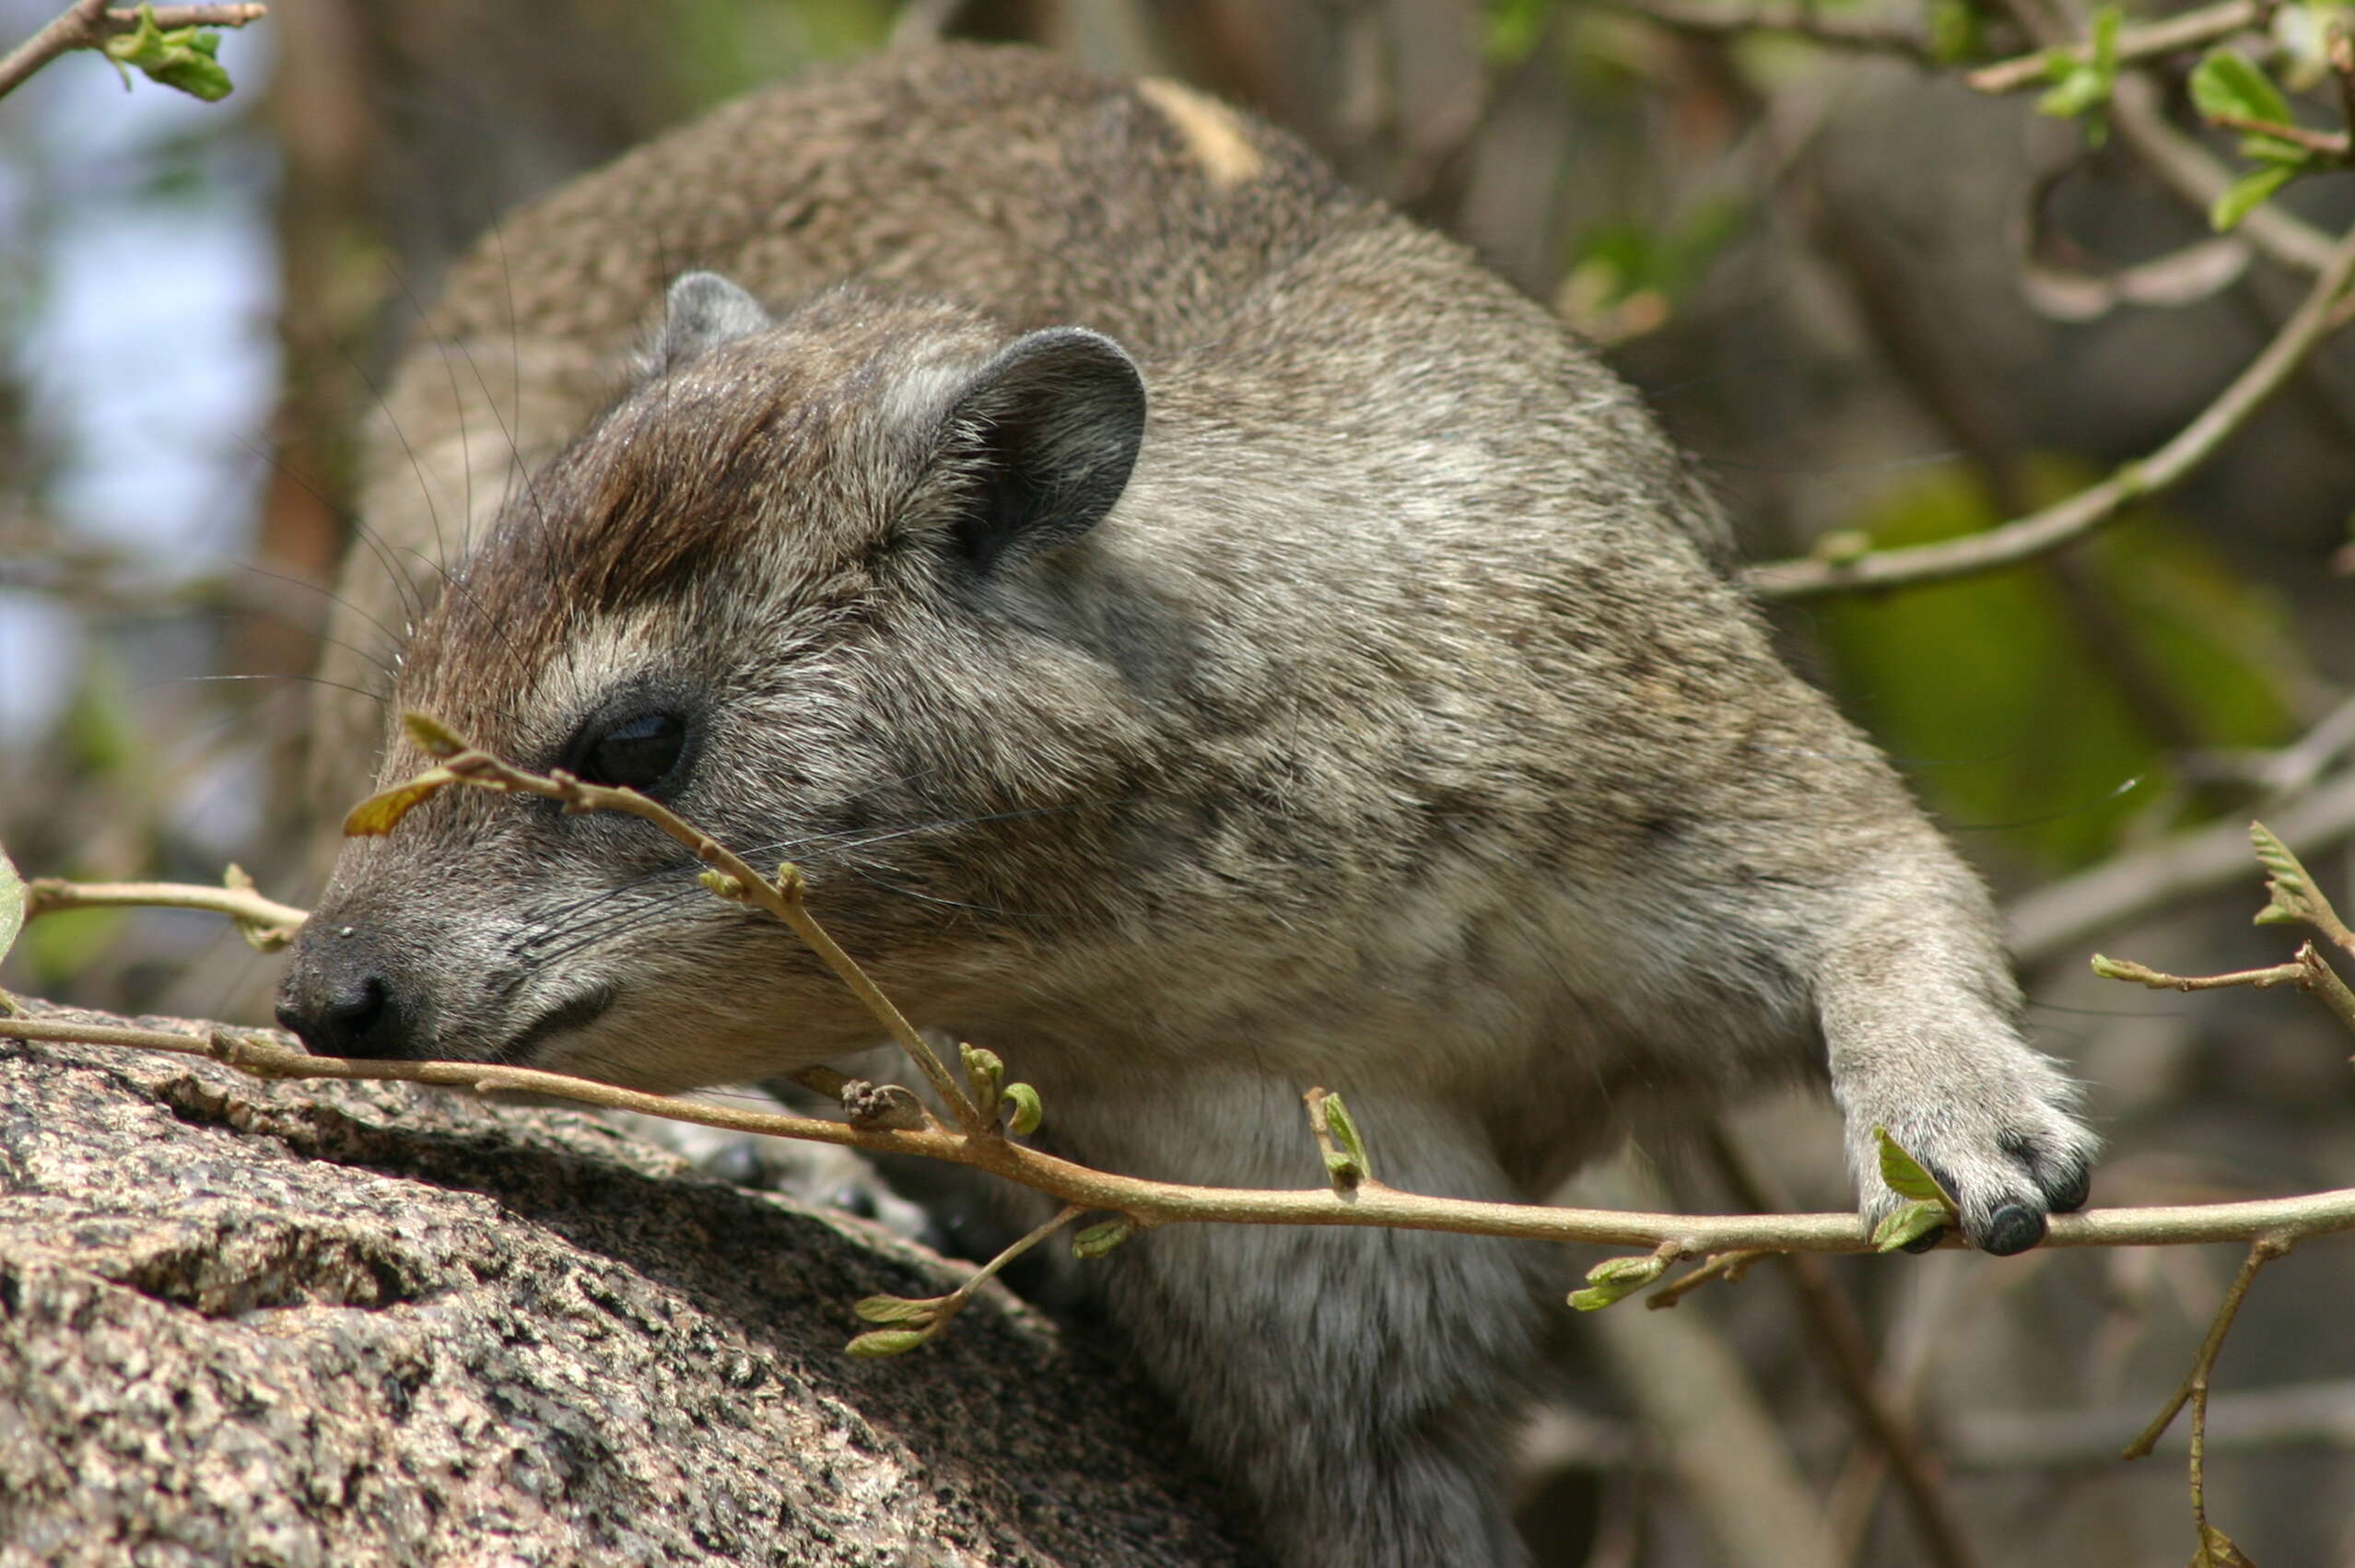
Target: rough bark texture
<point x="367" y="1324"/>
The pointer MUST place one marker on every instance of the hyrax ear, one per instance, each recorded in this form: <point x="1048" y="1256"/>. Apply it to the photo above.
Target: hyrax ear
<point x="704" y="312"/>
<point x="1047" y="432"/>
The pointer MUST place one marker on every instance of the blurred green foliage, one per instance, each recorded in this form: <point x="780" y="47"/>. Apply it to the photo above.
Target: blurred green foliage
<point x="2008" y="709"/>
<point x="720" y="48"/>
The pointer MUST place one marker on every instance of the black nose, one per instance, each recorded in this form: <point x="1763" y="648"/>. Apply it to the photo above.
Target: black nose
<point x="342" y="1003"/>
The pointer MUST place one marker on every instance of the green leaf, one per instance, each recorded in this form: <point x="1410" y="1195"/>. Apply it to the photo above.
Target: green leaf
<point x="2273" y="149"/>
<point x="12" y="903"/>
<point x="1953" y="31"/>
<point x="1905" y="1175"/>
<point x="2246" y="195"/>
<point x="1909" y="1223"/>
<point x="1028" y="1110"/>
<point x="898" y="1309"/>
<point x="2216" y="1551"/>
<point x="1615" y="1279"/>
<point x="380" y="813"/>
<point x="985" y="1074"/>
<point x="1353" y="1146"/>
<point x="886" y="1342"/>
<point x="432" y="736"/>
<point x="182" y="58"/>
<point x="1513" y="27"/>
<point x="1594" y="1298"/>
<point x="1344" y="1169"/>
<point x="2225" y="83"/>
<point x="2080" y="91"/>
<point x="1098" y="1239"/>
<point x="2275" y="856"/>
<point x="2107" y="23"/>
<point x="2082" y="86"/>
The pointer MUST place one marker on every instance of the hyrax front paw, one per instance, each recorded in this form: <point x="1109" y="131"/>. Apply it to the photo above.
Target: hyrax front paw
<point x="2006" y="1146"/>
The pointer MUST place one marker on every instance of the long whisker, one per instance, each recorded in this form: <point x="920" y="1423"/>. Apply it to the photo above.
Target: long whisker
<point x="570" y="938"/>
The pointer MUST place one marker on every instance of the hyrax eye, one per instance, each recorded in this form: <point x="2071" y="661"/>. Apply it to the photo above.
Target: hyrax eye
<point x="637" y="752"/>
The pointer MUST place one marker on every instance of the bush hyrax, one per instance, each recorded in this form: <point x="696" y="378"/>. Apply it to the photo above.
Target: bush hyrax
<point x="1201" y="635"/>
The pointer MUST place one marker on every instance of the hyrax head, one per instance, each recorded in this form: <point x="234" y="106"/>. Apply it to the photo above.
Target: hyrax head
<point x="807" y="584"/>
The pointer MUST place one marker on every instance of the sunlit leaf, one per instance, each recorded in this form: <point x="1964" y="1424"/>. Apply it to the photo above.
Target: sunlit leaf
<point x="1100" y="1238"/>
<point x="2216" y="1551"/>
<point x="1026" y="1110"/>
<point x="183" y="58"/>
<point x="2247" y="193"/>
<point x="380" y="813"/>
<point x="886" y="1342"/>
<point x="431" y="735"/>
<point x="2225" y="83"/>
<point x="897" y="1309"/>
<point x="1908" y="1224"/>
<point x="1905" y="1175"/>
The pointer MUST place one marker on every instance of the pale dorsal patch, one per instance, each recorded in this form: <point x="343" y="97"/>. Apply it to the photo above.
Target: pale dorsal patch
<point x="1210" y="130"/>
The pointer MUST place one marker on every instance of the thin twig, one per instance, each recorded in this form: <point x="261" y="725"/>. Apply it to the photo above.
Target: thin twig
<point x="736" y="880"/>
<point x="915" y="1321"/>
<point x="2137" y="110"/>
<point x="2309" y="971"/>
<point x="87" y="24"/>
<point x="1847" y="1350"/>
<point x="1814" y="24"/>
<point x="2077" y="517"/>
<point x="1726" y="1266"/>
<point x="75" y="27"/>
<point x="270" y="924"/>
<point x="2145" y="42"/>
<point x="2262" y="1251"/>
<point x="2259" y="979"/>
<point x="2330" y="144"/>
<point x="2057" y="919"/>
<point x="1154" y="1202"/>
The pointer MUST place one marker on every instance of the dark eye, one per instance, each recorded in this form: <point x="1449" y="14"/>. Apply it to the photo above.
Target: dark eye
<point x="637" y="751"/>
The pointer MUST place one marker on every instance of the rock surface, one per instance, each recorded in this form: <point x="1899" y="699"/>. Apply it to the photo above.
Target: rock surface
<point x="299" y="1324"/>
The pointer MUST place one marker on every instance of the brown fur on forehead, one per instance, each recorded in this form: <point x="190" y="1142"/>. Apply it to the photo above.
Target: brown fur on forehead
<point x="785" y="455"/>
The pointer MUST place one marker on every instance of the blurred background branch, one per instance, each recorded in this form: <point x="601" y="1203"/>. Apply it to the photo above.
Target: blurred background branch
<point x="1888" y="301"/>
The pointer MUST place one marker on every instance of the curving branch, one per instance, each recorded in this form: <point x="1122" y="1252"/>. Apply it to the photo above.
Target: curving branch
<point x="1713" y="18"/>
<point x="87" y="24"/>
<point x="1149" y="1203"/>
<point x="2144" y="41"/>
<point x="267" y="924"/>
<point x="2056" y="920"/>
<point x="2066" y="521"/>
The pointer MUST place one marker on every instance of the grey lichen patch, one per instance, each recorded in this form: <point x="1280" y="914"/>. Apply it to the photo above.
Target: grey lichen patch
<point x="361" y="1324"/>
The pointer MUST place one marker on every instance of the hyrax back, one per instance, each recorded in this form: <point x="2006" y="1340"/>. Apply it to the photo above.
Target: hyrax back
<point x="1200" y="635"/>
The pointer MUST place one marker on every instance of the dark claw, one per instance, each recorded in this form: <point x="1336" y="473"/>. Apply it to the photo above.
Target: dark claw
<point x="2012" y="1229"/>
<point x="1926" y="1240"/>
<point x="2068" y="1195"/>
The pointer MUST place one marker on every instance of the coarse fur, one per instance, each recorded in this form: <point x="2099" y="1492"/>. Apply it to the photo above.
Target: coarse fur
<point x="1318" y="669"/>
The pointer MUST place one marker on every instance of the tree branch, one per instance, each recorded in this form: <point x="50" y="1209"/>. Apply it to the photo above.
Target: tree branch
<point x="1847" y="1351"/>
<point x="2056" y="920"/>
<point x="1818" y="25"/>
<point x="1153" y="1202"/>
<point x="267" y="923"/>
<point x="2194" y="1391"/>
<point x="87" y="24"/>
<point x="2188" y="30"/>
<point x="2077" y="517"/>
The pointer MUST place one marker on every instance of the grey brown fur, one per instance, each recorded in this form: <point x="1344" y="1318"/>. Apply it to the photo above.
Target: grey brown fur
<point x="1393" y="730"/>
